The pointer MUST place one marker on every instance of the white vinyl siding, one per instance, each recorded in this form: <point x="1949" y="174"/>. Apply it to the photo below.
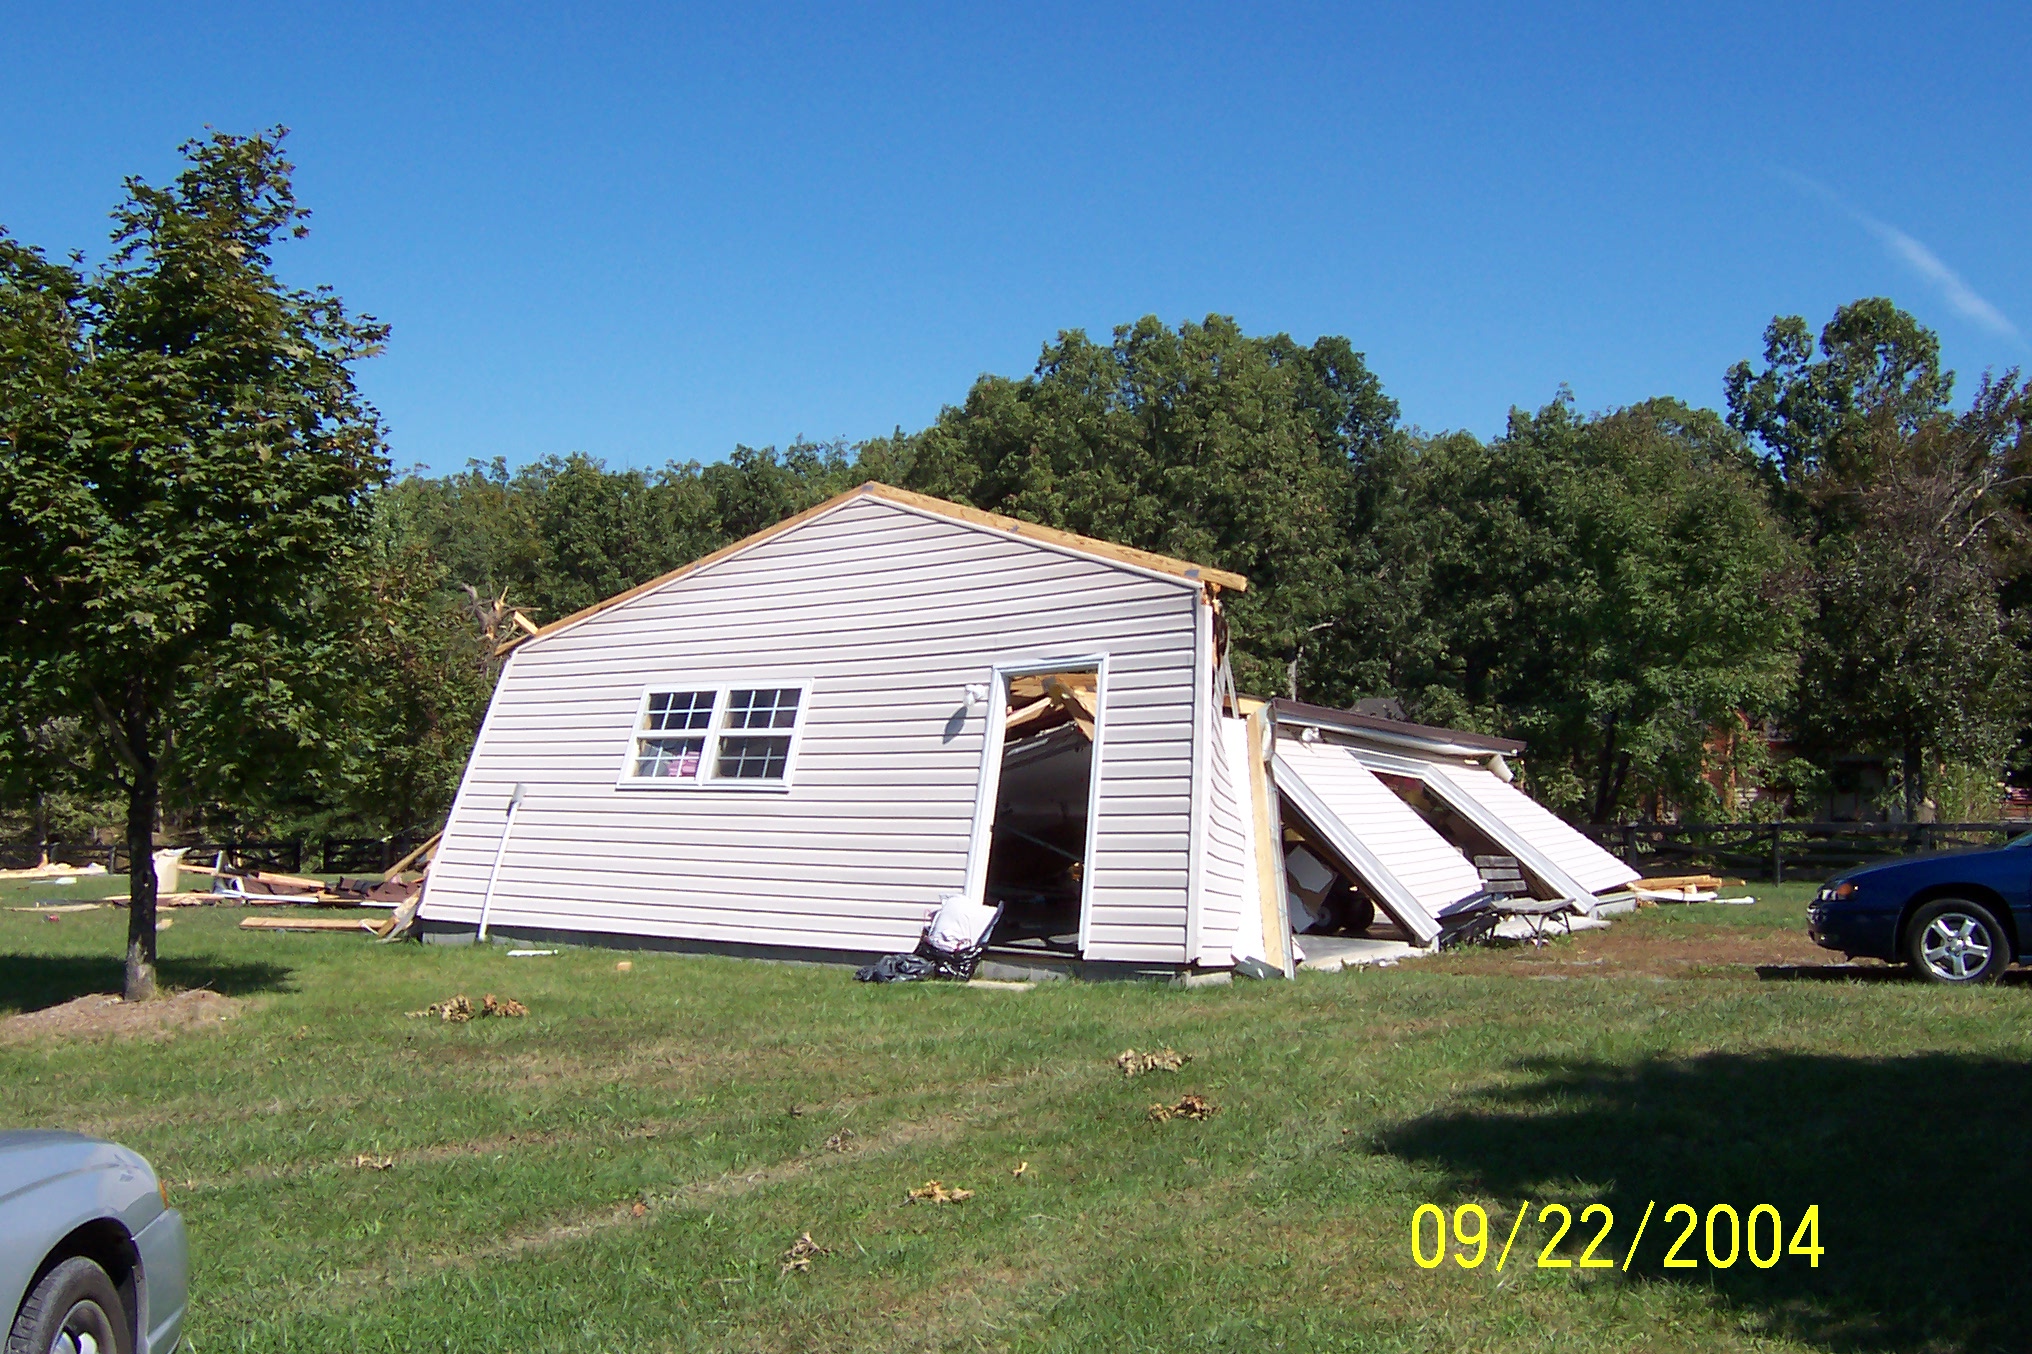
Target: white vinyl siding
<point x="1411" y="856"/>
<point x="887" y="613"/>
<point x="1230" y="883"/>
<point x="1591" y="867"/>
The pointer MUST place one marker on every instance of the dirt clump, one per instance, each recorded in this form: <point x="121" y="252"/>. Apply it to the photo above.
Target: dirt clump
<point x="103" y="1016"/>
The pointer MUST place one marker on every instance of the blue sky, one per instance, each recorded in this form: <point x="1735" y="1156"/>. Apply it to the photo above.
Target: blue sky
<point x="653" y="233"/>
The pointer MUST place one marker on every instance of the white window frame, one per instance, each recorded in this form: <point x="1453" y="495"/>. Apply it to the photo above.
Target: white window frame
<point x="721" y="689"/>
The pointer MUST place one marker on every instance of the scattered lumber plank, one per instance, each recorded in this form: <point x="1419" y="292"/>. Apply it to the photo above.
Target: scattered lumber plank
<point x="425" y="852"/>
<point x="289" y="881"/>
<point x="306" y="924"/>
<point x="1684" y="881"/>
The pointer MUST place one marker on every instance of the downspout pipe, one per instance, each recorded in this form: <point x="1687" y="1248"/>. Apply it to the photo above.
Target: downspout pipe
<point x="515" y="799"/>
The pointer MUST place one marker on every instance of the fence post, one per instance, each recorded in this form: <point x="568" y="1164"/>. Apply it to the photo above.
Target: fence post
<point x="1777" y="854"/>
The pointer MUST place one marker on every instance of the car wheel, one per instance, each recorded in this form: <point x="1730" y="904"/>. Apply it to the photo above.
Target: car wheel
<point x="1951" y="941"/>
<point x="74" y="1310"/>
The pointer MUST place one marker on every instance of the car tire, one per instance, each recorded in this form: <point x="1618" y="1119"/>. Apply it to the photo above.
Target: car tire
<point x="1957" y="942"/>
<point x="76" y="1299"/>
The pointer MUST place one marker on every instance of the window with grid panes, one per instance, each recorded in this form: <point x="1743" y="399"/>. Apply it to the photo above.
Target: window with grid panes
<point x="660" y="756"/>
<point x="752" y="754"/>
<point x="741" y="736"/>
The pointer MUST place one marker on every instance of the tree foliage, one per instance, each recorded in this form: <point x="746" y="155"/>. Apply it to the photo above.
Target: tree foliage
<point x="183" y="463"/>
<point x="1913" y="523"/>
<point x="1611" y="589"/>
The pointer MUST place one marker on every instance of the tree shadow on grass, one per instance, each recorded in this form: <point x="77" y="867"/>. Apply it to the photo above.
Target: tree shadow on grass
<point x="29" y="982"/>
<point x="1919" y="1165"/>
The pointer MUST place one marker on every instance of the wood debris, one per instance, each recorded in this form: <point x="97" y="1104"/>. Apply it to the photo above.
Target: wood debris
<point x="458" y="1010"/>
<point x="372" y="1163"/>
<point x="935" y="1192"/>
<point x="1134" y="1064"/>
<point x="1684" y="881"/>
<point x="1190" y="1107"/>
<point x="1020" y="1171"/>
<point x="801" y="1253"/>
<point x="305" y="924"/>
<point x="423" y="854"/>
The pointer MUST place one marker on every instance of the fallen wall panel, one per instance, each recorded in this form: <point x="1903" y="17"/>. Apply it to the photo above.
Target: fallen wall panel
<point x="1413" y="871"/>
<point x="1534" y="825"/>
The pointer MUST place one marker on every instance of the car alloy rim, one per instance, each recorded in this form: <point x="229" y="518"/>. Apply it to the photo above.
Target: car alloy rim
<point x="79" y="1333"/>
<point x="1956" y="945"/>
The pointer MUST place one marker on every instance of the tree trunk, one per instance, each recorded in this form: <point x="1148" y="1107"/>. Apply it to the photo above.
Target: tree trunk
<point x="1616" y="789"/>
<point x="1606" y="785"/>
<point x="1915" y="782"/>
<point x="143" y="796"/>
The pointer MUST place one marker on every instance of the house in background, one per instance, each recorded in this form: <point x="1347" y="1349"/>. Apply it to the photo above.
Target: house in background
<point x="799" y="745"/>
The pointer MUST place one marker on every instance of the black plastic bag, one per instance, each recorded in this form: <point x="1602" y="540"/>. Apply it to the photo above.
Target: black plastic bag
<point x="898" y="968"/>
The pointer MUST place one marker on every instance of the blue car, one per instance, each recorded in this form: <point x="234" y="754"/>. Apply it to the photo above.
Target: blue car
<point x="1956" y="917"/>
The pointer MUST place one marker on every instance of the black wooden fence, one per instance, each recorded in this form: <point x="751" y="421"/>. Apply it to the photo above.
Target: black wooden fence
<point x="1775" y="850"/>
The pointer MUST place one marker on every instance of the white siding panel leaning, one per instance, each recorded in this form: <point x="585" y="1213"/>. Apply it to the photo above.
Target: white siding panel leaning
<point x="887" y="613"/>
<point x="1590" y="866"/>
<point x="1226" y="859"/>
<point x="1410" y="861"/>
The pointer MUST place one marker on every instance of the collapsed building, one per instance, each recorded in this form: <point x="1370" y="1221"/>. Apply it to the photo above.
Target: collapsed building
<point x="801" y="744"/>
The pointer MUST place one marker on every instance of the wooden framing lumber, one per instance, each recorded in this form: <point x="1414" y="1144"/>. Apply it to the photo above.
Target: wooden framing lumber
<point x="1683" y="881"/>
<point x="307" y="924"/>
<point x="1269" y="847"/>
<point x="423" y="852"/>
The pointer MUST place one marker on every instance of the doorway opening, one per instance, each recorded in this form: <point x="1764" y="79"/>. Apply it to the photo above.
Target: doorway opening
<point x="1040" y="837"/>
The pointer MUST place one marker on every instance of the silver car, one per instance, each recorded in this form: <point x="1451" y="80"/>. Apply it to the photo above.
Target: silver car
<point x="92" y="1257"/>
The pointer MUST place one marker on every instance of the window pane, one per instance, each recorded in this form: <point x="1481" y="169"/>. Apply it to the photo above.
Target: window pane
<point x="664" y="758"/>
<point x="766" y="709"/>
<point x="679" y="710"/>
<point x="753" y="758"/>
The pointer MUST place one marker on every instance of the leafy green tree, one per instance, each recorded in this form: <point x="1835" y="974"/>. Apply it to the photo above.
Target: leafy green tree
<point x="183" y="458"/>
<point x="1611" y="589"/>
<point x="1199" y="442"/>
<point x="1823" y="418"/>
<point x="1913" y="515"/>
<point x="40" y="763"/>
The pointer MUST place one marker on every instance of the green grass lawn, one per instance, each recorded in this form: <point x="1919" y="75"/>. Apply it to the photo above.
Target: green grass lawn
<point x="624" y="1168"/>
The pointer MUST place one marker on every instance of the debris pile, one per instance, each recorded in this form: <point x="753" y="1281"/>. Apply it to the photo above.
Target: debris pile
<point x="1682" y="888"/>
<point x="366" y="1162"/>
<point x="54" y="872"/>
<point x="458" y="1010"/>
<point x="1134" y="1064"/>
<point x="801" y="1253"/>
<point x="842" y="1141"/>
<point x="400" y="887"/>
<point x="1190" y="1107"/>
<point x="935" y="1192"/>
